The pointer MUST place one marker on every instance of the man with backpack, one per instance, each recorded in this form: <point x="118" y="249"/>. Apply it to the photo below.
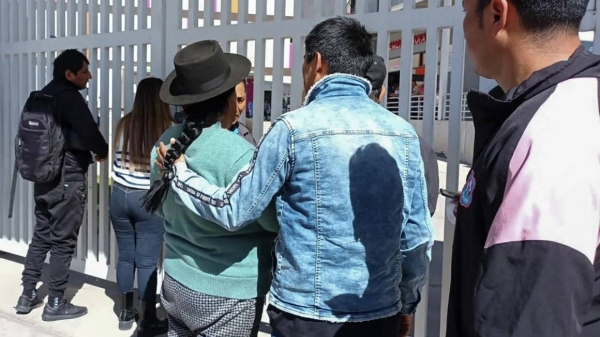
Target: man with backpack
<point x="56" y="134"/>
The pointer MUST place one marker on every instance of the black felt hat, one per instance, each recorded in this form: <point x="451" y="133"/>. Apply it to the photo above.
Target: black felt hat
<point x="203" y="71"/>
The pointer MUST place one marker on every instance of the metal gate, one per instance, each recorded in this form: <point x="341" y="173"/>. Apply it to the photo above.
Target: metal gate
<point x="127" y="40"/>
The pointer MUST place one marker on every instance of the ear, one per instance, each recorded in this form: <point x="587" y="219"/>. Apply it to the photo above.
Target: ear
<point x="499" y="13"/>
<point x="69" y="75"/>
<point x="320" y="66"/>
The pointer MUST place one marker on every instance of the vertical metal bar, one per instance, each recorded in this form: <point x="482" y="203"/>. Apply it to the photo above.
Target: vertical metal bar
<point x="261" y="11"/>
<point x="92" y="202"/>
<point x="128" y="81"/>
<point x="193" y="14"/>
<point x="383" y="50"/>
<point x="226" y="13"/>
<point x="142" y="66"/>
<point x="431" y="62"/>
<point x="82" y="18"/>
<point x="454" y="127"/>
<point x="72" y="18"/>
<point x="405" y="74"/>
<point x="209" y="13"/>
<point x="104" y="15"/>
<point x="4" y="22"/>
<point x="142" y="14"/>
<point x="94" y="17"/>
<point x="21" y="88"/>
<point x="32" y="19"/>
<point x="51" y="19"/>
<point x="102" y="185"/>
<point x="360" y="7"/>
<point x="13" y="27"/>
<point x="33" y="74"/>
<point x="161" y="27"/>
<point x="5" y="118"/>
<point x="297" y="90"/>
<point x="41" y="21"/>
<point x="280" y="10"/>
<point x="277" y="82"/>
<point x="117" y="10"/>
<point x="339" y="7"/>
<point x="60" y="13"/>
<point x="242" y="13"/>
<point x="444" y="71"/>
<point x="22" y="16"/>
<point x="298" y="10"/>
<point x="242" y="49"/>
<point x="129" y="18"/>
<point x="259" y="88"/>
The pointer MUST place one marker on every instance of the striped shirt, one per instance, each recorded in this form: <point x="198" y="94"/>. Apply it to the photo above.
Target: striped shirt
<point x="139" y="178"/>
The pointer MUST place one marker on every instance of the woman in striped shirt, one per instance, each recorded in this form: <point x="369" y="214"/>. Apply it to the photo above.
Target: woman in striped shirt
<point x="139" y="233"/>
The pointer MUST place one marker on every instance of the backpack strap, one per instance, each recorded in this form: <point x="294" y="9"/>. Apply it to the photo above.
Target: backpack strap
<point x="13" y="189"/>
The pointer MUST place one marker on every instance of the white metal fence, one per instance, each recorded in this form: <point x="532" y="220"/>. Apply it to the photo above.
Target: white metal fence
<point x="137" y="38"/>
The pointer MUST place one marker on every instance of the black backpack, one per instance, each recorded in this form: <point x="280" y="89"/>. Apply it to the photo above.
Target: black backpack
<point x="39" y="144"/>
<point x="40" y="140"/>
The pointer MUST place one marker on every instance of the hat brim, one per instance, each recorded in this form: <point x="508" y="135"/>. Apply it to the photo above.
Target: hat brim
<point x="240" y="69"/>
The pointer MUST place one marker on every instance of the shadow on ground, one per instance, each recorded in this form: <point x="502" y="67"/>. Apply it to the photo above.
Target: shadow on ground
<point x="77" y="280"/>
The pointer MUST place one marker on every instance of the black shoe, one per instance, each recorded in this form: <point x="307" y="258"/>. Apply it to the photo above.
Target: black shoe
<point x="149" y="321"/>
<point x="58" y="309"/>
<point x="26" y="304"/>
<point x="127" y="314"/>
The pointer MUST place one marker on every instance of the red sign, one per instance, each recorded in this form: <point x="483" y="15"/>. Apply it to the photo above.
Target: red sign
<point x="417" y="39"/>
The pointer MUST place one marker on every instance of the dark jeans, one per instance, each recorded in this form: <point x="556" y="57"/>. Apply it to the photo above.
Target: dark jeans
<point x="59" y="209"/>
<point x="139" y="239"/>
<point x="284" y="324"/>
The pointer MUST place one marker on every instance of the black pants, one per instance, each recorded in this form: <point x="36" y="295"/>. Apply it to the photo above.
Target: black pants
<point x="288" y="325"/>
<point x="59" y="209"/>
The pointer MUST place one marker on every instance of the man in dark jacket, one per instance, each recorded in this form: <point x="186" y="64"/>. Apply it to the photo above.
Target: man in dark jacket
<point x="60" y="205"/>
<point x="527" y="229"/>
<point x="377" y="74"/>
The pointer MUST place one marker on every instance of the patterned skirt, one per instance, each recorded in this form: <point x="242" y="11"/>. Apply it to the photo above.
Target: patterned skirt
<point x="192" y="314"/>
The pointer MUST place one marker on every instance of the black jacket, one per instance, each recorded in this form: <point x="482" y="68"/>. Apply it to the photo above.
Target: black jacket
<point x="78" y="123"/>
<point x="525" y="254"/>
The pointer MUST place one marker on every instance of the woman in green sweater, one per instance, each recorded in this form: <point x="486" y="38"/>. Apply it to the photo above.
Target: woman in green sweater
<point x="215" y="281"/>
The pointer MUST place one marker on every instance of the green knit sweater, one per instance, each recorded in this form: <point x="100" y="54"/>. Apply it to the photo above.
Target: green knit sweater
<point x="200" y="254"/>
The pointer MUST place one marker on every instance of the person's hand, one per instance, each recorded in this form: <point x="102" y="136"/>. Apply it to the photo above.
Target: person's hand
<point x="405" y="325"/>
<point x="181" y="158"/>
<point x="100" y="160"/>
<point x="161" y="151"/>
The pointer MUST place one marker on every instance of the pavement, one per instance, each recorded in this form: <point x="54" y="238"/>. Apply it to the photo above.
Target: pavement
<point x="102" y="297"/>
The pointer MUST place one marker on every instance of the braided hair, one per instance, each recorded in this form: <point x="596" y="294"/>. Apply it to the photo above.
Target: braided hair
<point x="198" y="116"/>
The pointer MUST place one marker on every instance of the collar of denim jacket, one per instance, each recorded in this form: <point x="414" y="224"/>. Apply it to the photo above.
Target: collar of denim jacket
<point x="338" y="85"/>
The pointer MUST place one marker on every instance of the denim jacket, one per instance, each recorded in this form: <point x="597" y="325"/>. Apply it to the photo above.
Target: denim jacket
<point x="356" y="235"/>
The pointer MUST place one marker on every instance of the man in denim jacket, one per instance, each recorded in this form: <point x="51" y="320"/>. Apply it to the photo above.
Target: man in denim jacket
<point x="348" y="181"/>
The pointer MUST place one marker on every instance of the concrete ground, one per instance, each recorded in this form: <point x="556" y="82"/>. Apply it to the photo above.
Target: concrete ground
<point x="101" y="297"/>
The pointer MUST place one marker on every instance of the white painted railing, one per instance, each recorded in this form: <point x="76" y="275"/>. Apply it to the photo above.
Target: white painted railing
<point x="441" y="109"/>
<point x="126" y="35"/>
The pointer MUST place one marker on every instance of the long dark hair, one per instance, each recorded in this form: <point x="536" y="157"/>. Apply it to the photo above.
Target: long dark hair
<point x="198" y="116"/>
<point x="147" y="121"/>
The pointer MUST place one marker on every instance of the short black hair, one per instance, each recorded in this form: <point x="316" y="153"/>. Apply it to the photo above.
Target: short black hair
<point x="70" y="59"/>
<point x="547" y="16"/>
<point x="344" y="44"/>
